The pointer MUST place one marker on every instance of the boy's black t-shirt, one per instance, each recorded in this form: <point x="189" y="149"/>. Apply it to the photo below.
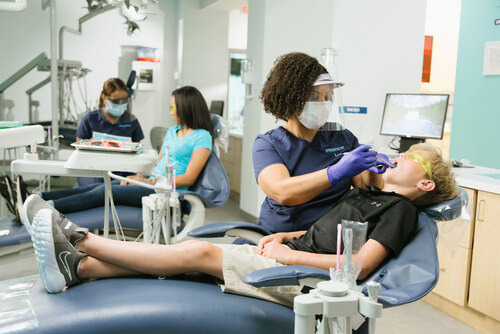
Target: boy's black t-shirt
<point x="392" y="221"/>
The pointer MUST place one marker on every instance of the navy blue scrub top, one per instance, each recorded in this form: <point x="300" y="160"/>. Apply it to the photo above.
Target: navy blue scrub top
<point x="299" y="156"/>
<point x="95" y="121"/>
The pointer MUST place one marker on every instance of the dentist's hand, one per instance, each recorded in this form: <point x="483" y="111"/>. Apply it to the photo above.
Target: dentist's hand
<point x="382" y="163"/>
<point x="352" y="163"/>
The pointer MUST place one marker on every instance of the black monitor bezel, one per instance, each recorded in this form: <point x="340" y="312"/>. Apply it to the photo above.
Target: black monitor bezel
<point x="417" y="137"/>
<point x="217" y="104"/>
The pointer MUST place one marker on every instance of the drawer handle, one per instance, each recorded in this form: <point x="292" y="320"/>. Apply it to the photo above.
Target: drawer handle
<point x="482" y="204"/>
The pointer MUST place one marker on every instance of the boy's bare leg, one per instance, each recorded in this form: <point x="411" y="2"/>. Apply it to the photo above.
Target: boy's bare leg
<point x="90" y="267"/>
<point x="161" y="260"/>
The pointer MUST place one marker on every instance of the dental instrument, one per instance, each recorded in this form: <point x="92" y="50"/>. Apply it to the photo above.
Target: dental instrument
<point x="390" y="164"/>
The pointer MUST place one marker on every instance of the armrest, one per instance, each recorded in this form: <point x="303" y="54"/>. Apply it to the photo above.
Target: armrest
<point x="221" y="229"/>
<point x="286" y="275"/>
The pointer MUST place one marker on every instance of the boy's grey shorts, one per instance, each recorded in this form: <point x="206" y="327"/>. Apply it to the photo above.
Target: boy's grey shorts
<point x="241" y="260"/>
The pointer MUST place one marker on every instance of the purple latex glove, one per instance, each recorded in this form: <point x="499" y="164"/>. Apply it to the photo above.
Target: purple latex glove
<point x="382" y="163"/>
<point x="352" y="163"/>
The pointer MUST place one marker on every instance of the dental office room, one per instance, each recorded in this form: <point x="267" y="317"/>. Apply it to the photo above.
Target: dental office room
<point x="137" y="196"/>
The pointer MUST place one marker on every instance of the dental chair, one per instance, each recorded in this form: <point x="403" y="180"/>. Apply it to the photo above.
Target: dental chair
<point x="194" y="304"/>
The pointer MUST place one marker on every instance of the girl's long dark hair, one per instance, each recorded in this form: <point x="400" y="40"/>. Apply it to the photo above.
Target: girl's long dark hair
<point x="109" y="87"/>
<point x="192" y="110"/>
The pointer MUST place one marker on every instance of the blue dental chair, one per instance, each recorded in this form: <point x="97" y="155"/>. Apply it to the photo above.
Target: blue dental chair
<point x="193" y="304"/>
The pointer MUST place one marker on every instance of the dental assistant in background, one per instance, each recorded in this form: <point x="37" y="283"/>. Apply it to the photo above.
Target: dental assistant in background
<point x="112" y="120"/>
<point x="301" y="168"/>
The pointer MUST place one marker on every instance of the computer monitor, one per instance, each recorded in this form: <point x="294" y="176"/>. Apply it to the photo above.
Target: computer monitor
<point x="217" y="107"/>
<point x="414" y="117"/>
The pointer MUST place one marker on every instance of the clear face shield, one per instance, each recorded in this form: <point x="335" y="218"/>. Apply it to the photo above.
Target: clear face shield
<point x="326" y="99"/>
<point x="330" y="60"/>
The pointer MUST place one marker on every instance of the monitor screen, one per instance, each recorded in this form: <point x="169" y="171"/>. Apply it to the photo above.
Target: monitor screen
<point x="217" y="107"/>
<point x="414" y="115"/>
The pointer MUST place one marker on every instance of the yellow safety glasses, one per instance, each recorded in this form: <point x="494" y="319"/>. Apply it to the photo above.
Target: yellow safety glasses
<point x="422" y="161"/>
<point x="172" y="107"/>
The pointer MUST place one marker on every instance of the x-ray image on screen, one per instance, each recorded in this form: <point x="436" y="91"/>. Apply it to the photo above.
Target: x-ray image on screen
<point x="414" y="115"/>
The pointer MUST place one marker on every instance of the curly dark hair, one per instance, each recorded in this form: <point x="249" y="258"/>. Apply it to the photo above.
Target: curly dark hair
<point x="289" y="84"/>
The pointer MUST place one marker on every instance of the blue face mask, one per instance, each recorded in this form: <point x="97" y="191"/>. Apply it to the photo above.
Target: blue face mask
<point x="116" y="110"/>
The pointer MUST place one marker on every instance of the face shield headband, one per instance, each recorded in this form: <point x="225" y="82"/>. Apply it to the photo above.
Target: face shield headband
<point x="326" y="79"/>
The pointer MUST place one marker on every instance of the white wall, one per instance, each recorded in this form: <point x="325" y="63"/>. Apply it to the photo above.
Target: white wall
<point x="380" y="45"/>
<point x="205" y="53"/>
<point x="170" y="10"/>
<point x="275" y="28"/>
<point x="25" y="34"/>
<point x="238" y="30"/>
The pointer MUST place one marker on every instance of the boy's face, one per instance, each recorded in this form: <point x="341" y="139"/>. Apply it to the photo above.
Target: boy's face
<point x="408" y="171"/>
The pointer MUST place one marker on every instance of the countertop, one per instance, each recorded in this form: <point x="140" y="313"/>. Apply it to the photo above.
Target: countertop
<point x="480" y="178"/>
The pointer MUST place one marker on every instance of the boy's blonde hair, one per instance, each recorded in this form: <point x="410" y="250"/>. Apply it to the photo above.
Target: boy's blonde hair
<point x="446" y="187"/>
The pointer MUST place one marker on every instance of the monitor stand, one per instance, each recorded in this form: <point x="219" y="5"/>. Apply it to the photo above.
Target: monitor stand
<point x="405" y="143"/>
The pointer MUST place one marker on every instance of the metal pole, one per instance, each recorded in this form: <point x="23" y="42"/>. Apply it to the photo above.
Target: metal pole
<point x="2" y="114"/>
<point x="107" y="194"/>
<point x="53" y="76"/>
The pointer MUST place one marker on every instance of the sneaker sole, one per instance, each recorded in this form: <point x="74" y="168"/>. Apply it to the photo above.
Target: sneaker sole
<point x="24" y="213"/>
<point x="43" y="242"/>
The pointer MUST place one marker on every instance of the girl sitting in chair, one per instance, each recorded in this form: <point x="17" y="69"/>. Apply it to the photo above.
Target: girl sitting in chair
<point x="68" y="254"/>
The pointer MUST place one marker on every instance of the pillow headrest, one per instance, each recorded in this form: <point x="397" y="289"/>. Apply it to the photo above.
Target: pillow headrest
<point x="448" y="210"/>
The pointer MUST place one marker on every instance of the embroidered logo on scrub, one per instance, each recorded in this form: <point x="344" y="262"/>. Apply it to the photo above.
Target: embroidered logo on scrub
<point x="376" y="204"/>
<point x="63" y="257"/>
<point x="334" y="149"/>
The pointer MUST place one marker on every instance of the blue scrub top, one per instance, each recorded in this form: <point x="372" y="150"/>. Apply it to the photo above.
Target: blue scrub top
<point x="299" y="156"/>
<point x="181" y="149"/>
<point x="96" y="123"/>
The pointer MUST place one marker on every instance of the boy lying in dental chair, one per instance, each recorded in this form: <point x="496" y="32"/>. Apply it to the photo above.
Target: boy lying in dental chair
<point x="68" y="254"/>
